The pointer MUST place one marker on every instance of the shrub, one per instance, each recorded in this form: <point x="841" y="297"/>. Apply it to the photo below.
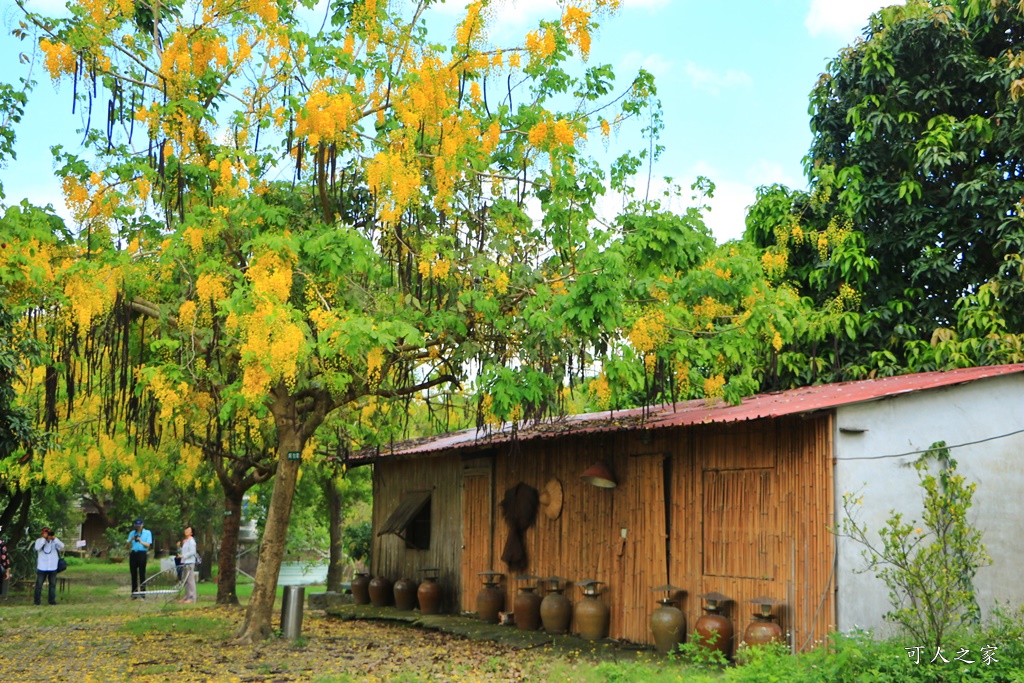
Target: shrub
<point x="928" y="568"/>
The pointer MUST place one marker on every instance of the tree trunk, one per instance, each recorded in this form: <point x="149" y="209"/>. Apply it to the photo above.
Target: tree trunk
<point x="227" y="561"/>
<point x="335" y="568"/>
<point x="261" y="605"/>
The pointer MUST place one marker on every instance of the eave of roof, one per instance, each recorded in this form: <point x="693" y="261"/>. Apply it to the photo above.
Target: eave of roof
<point x="695" y="412"/>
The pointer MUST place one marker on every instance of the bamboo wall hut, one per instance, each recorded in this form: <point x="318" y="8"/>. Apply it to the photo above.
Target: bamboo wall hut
<point x="732" y="499"/>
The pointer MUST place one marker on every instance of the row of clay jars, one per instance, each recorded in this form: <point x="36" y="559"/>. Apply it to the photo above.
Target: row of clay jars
<point x="378" y="592"/>
<point x="554" y="612"/>
<point x="668" y="624"/>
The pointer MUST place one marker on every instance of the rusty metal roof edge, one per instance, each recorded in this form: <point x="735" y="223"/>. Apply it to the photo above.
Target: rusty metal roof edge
<point x="802" y="400"/>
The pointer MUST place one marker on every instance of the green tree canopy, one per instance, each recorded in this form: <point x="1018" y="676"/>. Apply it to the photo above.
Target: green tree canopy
<point x="918" y="151"/>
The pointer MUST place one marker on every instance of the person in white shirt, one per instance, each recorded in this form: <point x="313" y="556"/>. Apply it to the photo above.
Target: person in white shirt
<point x="48" y="549"/>
<point x="188" y="565"/>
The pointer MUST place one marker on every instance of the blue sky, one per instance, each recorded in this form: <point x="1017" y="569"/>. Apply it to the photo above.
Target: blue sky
<point x="733" y="78"/>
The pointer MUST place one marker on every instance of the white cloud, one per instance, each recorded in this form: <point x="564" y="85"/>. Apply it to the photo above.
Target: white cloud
<point x="727" y="209"/>
<point x="645" y="4"/>
<point x="733" y="195"/>
<point x="842" y="18"/>
<point x="517" y="13"/>
<point x="712" y="81"/>
<point x="656" y="64"/>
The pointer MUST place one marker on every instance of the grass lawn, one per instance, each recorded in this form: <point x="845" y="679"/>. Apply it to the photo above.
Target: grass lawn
<point x="96" y="634"/>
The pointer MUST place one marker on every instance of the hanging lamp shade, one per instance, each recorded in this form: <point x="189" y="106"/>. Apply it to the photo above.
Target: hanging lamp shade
<point x="600" y="475"/>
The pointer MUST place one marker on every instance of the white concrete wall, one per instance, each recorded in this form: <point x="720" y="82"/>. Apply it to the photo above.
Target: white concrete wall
<point x="957" y="415"/>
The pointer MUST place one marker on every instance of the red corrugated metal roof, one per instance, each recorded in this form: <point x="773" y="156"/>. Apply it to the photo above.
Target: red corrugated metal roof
<point x="699" y="411"/>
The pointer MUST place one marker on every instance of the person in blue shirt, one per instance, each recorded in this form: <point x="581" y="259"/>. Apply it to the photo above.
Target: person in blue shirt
<point x="139" y="542"/>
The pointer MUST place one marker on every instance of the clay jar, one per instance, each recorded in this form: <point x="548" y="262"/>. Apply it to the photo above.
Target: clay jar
<point x="380" y="591"/>
<point x="361" y="589"/>
<point x="555" y="610"/>
<point x="762" y="631"/>
<point x="490" y="600"/>
<point x="668" y="626"/>
<point x="715" y="631"/>
<point x="405" y="594"/>
<point x="592" y="614"/>
<point x="429" y="595"/>
<point x="527" y="609"/>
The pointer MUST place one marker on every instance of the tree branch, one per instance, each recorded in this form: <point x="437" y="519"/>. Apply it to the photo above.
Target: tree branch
<point x="405" y="391"/>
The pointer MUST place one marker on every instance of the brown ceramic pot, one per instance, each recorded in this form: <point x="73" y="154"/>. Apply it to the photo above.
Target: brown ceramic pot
<point x="361" y="589"/>
<point x="762" y="631"/>
<point x="405" y="594"/>
<point x="429" y="595"/>
<point x="715" y="631"/>
<point x="555" y="612"/>
<point x="380" y="591"/>
<point x="592" y="618"/>
<point x="489" y="601"/>
<point x="527" y="609"/>
<point x="668" y="626"/>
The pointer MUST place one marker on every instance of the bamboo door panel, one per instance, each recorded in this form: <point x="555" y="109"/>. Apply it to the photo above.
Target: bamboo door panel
<point x="476" y="534"/>
<point x="644" y="550"/>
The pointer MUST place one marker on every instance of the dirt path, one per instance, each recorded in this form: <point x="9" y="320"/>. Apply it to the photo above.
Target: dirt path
<point x="193" y="645"/>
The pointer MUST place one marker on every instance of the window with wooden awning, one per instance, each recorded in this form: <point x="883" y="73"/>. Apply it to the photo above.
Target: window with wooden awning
<point x="410" y="520"/>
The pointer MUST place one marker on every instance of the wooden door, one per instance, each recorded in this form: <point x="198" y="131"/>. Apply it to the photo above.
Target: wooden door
<point x="644" y="549"/>
<point x="477" y="530"/>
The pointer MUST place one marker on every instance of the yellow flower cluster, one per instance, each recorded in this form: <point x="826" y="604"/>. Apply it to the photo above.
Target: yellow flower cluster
<point x="395" y="180"/>
<point x="211" y="287"/>
<point x="58" y="58"/>
<point x="140" y="488"/>
<point x="710" y="309"/>
<point x="186" y="315"/>
<point x="91" y="296"/>
<point x="100" y="11"/>
<point x="774" y="262"/>
<point x="191" y="461"/>
<point x="271" y="276"/>
<point x="601" y="390"/>
<point x="326" y="116"/>
<point x="682" y="379"/>
<point x="169" y="396"/>
<point x="540" y="46"/>
<point x="797" y="235"/>
<point x="56" y="468"/>
<point x="549" y="133"/>
<point x="471" y="29"/>
<point x="714" y="386"/>
<point x="847" y="299"/>
<point x="374" y="366"/>
<point x="501" y="282"/>
<point x="232" y="178"/>
<point x="650" y="331"/>
<point x="487" y="410"/>
<point x="273" y="350"/>
<point x="430" y="94"/>
<point x="492" y="137"/>
<point x="576" y="25"/>
<point x="822" y="246"/>
<point x="437" y="267"/>
<point x="267" y="11"/>
<point x="777" y="341"/>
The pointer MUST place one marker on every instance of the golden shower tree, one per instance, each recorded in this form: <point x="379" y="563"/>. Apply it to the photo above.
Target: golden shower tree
<point x="272" y="224"/>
